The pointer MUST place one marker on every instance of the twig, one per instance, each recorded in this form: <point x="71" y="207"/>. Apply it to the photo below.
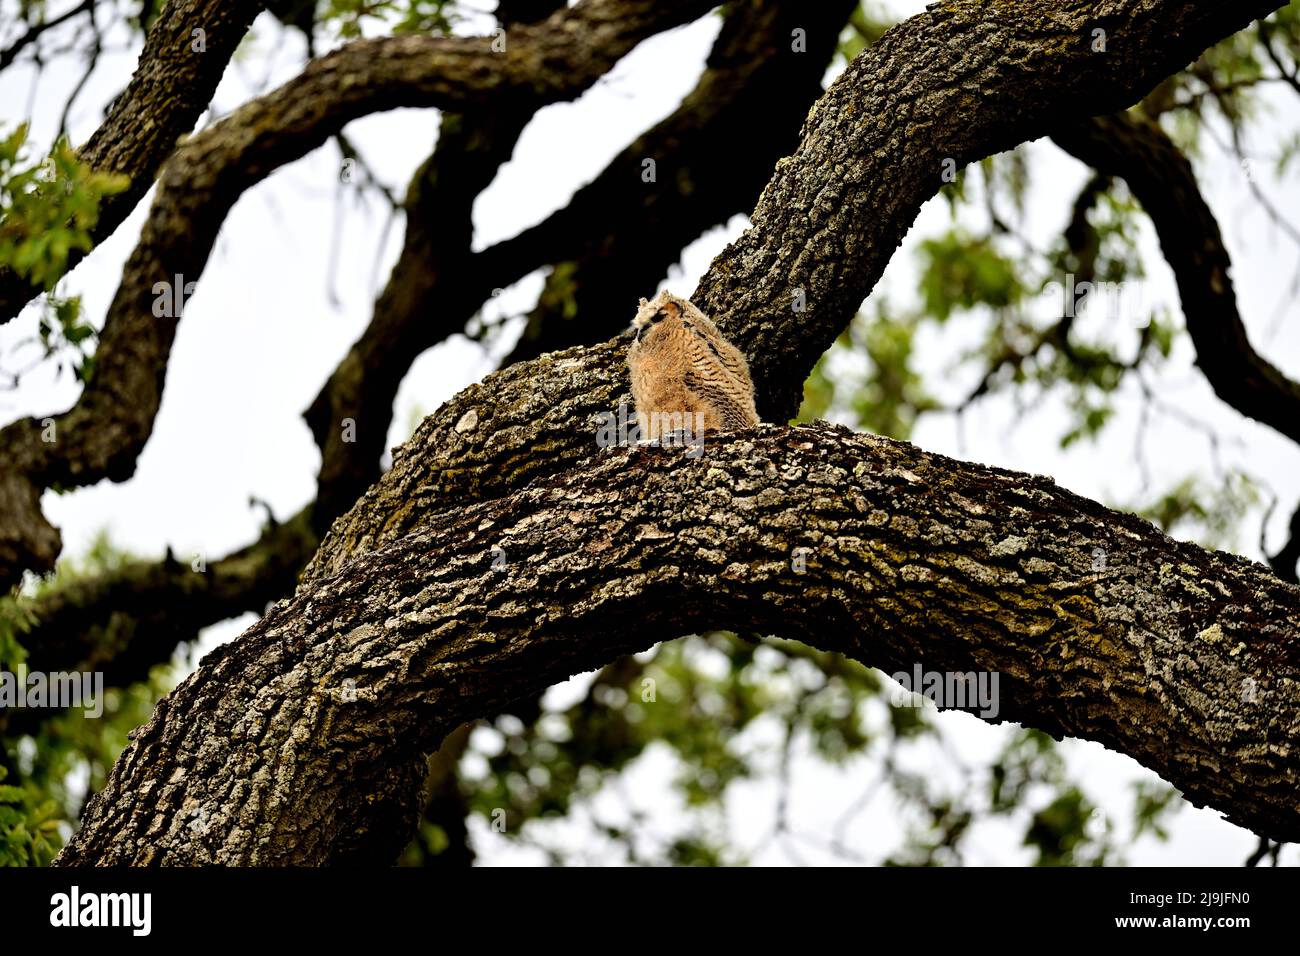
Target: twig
<point x="33" y="33"/>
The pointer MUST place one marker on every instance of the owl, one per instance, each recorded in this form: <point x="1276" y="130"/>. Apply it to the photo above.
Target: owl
<point x="685" y="374"/>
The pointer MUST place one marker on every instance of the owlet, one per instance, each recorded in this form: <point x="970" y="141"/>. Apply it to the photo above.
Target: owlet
<point x="685" y="374"/>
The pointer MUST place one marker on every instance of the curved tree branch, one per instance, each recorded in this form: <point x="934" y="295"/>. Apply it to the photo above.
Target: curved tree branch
<point x="872" y="152"/>
<point x="257" y="740"/>
<point x="103" y="434"/>
<point x="297" y="743"/>
<point x="1161" y="179"/>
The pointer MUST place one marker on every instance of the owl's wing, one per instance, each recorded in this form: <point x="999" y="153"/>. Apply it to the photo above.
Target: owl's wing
<point x="732" y="359"/>
<point x="710" y="375"/>
<point x="734" y="408"/>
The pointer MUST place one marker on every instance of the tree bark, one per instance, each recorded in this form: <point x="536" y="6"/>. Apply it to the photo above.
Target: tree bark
<point x="103" y="434"/>
<point x="750" y="98"/>
<point x="1099" y="626"/>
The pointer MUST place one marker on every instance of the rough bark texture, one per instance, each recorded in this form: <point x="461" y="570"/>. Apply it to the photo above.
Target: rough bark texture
<point x="1161" y="179"/>
<point x="1183" y="658"/>
<point x="961" y="81"/>
<point x="716" y="150"/>
<point x="103" y="434"/>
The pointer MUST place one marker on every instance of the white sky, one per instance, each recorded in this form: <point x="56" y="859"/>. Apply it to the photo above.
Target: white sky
<point x="257" y="341"/>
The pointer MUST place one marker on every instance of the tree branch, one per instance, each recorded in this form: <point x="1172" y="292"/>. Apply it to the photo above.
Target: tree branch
<point x="257" y="740"/>
<point x="103" y="434"/>
<point x="712" y="157"/>
<point x="716" y="150"/>
<point x="143" y="610"/>
<point x="123" y="622"/>
<point x="1161" y="179"/>
<point x="298" y="742"/>
<point x="1285" y="562"/>
<point x="34" y="31"/>
<point x="350" y="416"/>
<point x="754" y="90"/>
<point x="872" y="152"/>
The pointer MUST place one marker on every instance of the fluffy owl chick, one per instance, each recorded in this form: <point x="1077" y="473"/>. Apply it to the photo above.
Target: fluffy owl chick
<point x="685" y="374"/>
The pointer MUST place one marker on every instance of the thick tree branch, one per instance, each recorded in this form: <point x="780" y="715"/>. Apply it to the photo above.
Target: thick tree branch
<point x="102" y="435"/>
<point x="426" y="628"/>
<point x="872" y="152"/>
<point x="436" y="248"/>
<point x="297" y="743"/>
<point x="1161" y="179"/>
<point x="715" y="152"/>
<point x="143" y="610"/>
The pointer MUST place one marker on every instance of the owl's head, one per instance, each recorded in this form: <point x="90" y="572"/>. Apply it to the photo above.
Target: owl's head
<point x="663" y="306"/>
